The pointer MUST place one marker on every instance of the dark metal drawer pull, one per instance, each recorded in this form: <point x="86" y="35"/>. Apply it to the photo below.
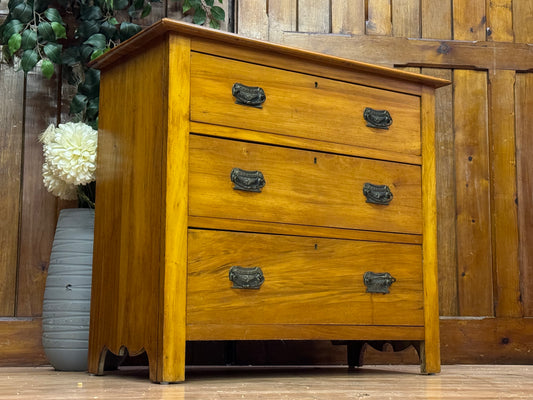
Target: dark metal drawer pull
<point x="379" y="119"/>
<point x="249" y="181"/>
<point x="378" y="282"/>
<point x="246" y="278"/>
<point x="248" y="95"/>
<point x="377" y="194"/>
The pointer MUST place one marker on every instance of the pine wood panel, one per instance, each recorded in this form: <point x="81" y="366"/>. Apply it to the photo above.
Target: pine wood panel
<point x="445" y="172"/>
<point x="11" y="146"/>
<point x="287" y="95"/>
<point x="38" y="212"/>
<point x="253" y="19"/>
<point x="295" y="290"/>
<point x="301" y="183"/>
<point x="313" y="16"/>
<point x="348" y="16"/>
<point x="524" y="149"/>
<point x="429" y="349"/>
<point x="473" y="193"/>
<point x="436" y="19"/>
<point x="500" y="20"/>
<point x="126" y="245"/>
<point x="406" y="18"/>
<point x="171" y="352"/>
<point x="399" y="51"/>
<point x="523" y="21"/>
<point x="20" y="342"/>
<point x="378" y="17"/>
<point x="505" y="238"/>
<point x="469" y="20"/>
<point x="282" y="16"/>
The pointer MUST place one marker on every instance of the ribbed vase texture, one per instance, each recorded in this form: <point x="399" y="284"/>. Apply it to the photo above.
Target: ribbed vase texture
<point x="67" y="296"/>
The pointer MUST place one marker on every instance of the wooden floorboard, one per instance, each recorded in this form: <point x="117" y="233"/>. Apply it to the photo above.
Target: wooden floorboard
<point x="209" y="383"/>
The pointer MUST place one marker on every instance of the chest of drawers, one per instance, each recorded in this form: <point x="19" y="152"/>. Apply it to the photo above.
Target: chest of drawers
<point x="251" y="191"/>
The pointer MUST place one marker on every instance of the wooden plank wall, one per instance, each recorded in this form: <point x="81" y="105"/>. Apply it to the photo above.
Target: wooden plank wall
<point x="484" y="158"/>
<point x="484" y="146"/>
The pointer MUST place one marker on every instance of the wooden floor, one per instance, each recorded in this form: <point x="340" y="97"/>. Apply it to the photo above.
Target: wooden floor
<point x="367" y="383"/>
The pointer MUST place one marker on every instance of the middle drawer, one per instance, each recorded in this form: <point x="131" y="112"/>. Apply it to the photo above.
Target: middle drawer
<point x="302" y="187"/>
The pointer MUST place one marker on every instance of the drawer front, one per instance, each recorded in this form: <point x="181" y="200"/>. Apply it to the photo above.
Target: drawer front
<point x="302" y="105"/>
<point x="301" y="187"/>
<point x="304" y="280"/>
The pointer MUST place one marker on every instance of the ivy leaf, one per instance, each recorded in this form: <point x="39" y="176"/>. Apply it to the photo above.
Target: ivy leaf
<point x="218" y="13"/>
<point x="138" y="4"/>
<point x="29" y="60"/>
<point x="23" y="12"/>
<point x="146" y="10"/>
<point x="127" y="30"/>
<point x="199" y="16"/>
<point x="12" y="27"/>
<point x="40" y="5"/>
<point x="71" y="56"/>
<point x="78" y="103"/>
<point x="92" y="108"/>
<point x="47" y="68"/>
<point x="98" y="40"/>
<point x="97" y="53"/>
<point x="91" y="13"/>
<point x="213" y="23"/>
<point x="53" y="15"/>
<point x="53" y="52"/>
<point x="121" y="4"/>
<point x="85" y="52"/>
<point x="46" y="32"/>
<point x="112" y="21"/>
<point x="108" y="29"/>
<point x="88" y="28"/>
<point x="59" y="30"/>
<point x="14" y="43"/>
<point x="29" y="39"/>
<point x="11" y="4"/>
<point x="186" y="6"/>
<point x="91" y="86"/>
<point x="210" y="2"/>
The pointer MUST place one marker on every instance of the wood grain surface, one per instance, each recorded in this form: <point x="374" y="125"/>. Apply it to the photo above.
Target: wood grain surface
<point x="307" y="281"/>
<point x="310" y="188"/>
<point x="335" y="113"/>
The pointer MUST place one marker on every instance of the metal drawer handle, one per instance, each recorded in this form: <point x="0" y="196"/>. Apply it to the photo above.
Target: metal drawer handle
<point x="246" y="278"/>
<point x="379" y="119"/>
<point x="248" y="95"/>
<point x="249" y="181"/>
<point x="378" y="282"/>
<point x="377" y="194"/>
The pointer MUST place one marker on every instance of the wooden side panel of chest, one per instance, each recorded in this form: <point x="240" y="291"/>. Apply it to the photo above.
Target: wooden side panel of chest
<point x="170" y="226"/>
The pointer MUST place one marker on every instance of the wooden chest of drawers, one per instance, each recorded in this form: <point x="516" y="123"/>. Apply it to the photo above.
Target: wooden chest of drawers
<point x="250" y="191"/>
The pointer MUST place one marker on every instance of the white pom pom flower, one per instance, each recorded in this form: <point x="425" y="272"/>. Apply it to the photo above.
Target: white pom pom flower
<point x="71" y="152"/>
<point x="58" y="187"/>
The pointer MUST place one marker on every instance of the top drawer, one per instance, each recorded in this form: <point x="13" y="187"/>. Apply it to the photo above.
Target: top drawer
<point x="302" y="105"/>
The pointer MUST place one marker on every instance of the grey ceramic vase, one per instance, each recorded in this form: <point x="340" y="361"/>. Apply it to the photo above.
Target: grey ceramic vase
<point x="67" y="296"/>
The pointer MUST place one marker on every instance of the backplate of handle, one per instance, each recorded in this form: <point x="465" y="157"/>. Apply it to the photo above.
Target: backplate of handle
<point x="377" y="194"/>
<point x="378" y="282"/>
<point x="380" y="119"/>
<point x="248" y="95"/>
<point x="248" y="181"/>
<point x="246" y="277"/>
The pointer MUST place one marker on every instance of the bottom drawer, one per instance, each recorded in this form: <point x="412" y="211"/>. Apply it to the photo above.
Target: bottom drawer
<point x="304" y="280"/>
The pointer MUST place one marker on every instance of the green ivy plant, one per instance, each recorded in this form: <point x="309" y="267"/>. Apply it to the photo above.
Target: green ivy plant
<point x="70" y="33"/>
